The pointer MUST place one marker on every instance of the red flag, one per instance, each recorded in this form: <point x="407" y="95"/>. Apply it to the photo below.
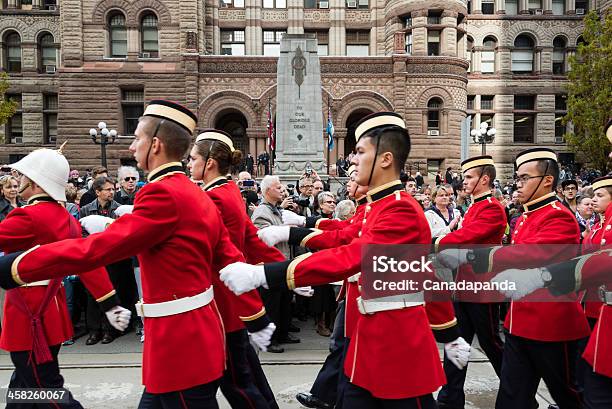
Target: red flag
<point x="271" y="136"/>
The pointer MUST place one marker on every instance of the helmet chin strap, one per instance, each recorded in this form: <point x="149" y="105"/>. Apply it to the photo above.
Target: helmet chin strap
<point x="151" y="144"/>
<point x="539" y="183"/>
<point x="375" y="159"/>
<point x="206" y="160"/>
<point x="25" y="187"/>
<point x="478" y="181"/>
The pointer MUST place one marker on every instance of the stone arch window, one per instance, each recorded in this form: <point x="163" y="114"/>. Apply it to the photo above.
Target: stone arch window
<point x="47" y="53"/>
<point x="434" y="115"/>
<point x="488" y="55"/>
<point x="149" y="38"/>
<point x="523" y="55"/>
<point x="11" y="44"/>
<point x="559" y="53"/>
<point x="117" y="30"/>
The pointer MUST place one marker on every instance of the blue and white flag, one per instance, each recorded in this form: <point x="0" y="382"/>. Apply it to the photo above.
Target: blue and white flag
<point x="330" y="130"/>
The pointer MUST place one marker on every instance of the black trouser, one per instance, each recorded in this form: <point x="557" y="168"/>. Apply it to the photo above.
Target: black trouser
<point x="238" y="383"/>
<point x="597" y="389"/>
<point x="47" y="375"/>
<point x="359" y="398"/>
<point x="526" y="362"/>
<point x="325" y="386"/>
<point x="200" y="397"/>
<point x="278" y="307"/>
<point x="260" y="377"/>
<point x="472" y="319"/>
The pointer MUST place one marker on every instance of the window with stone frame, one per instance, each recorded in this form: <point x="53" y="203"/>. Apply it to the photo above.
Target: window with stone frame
<point x="117" y="35"/>
<point x="322" y="41"/>
<point x="275" y="4"/>
<point x="534" y="5"/>
<point x="271" y="42"/>
<point x="560" y="112"/>
<point x="433" y="42"/>
<point x="471" y="106"/>
<point x="523" y="55"/>
<point x="558" y="7"/>
<point x="14" y="125"/>
<point x="11" y="44"/>
<point x="357" y="43"/>
<point x="488" y="6"/>
<point x="231" y="3"/>
<point x="559" y="49"/>
<point x="149" y="36"/>
<point x="434" y="108"/>
<point x="232" y="42"/>
<point x="50" y="108"/>
<point x="132" y="107"/>
<point x="47" y="53"/>
<point x="524" y="118"/>
<point x="582" y="6"/>
<point x="512" y="7"/>
<point x="487" y="55"/>
<point x="354" y="4"/>
<point x="469" y="52"/>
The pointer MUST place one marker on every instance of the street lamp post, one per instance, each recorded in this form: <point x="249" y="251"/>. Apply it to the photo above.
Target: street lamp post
<point x="483" y="136"/>
<point x="104" y="136"/>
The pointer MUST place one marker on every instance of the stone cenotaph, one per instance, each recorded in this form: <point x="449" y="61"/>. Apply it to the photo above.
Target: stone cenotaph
<point x="299" y="118"/>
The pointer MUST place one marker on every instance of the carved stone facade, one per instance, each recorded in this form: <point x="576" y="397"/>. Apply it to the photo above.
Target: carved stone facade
<point x="435" y="93"/>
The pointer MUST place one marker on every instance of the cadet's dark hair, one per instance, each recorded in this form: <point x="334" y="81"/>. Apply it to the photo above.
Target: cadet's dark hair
<point x="549" y="167"/>
<point x="220" y="152"/>
<point x="175" y="138"/>
<point x="489" y="170"/>
<point x="99" y="183"/>
<point x="392" y="139"/>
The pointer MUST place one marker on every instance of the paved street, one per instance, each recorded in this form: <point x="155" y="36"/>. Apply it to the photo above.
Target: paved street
<point x="108" y="376"/>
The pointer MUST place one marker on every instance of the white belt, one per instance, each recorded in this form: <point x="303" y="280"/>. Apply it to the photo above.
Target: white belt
<point x="179" y="306"/>
<point x="394" y="302"/>
<point x="605" y="296"/>
<point x="354" y="278"/>
<point x="37" y="283"/>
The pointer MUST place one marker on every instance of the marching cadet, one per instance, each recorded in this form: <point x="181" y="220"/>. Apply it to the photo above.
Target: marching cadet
<point x="180" y="240"/>
<point x="586" y="272"/>
<point x="243" y="384"/>
<point x="541" y="337"/>
<point x="400" y="371"/>
<point x="36" y="320"/>
<point x="484" y="223"/>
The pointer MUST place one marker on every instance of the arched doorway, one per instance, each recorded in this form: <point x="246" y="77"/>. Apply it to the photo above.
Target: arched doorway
<point x="351" y="125"/>
<point x="234" y="123"/>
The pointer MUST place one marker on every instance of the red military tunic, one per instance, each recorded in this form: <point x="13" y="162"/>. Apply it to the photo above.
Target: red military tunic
<point x="243" y="235"/>
<point x="484" y="223"/>
<point x="180" y="240"/>
<point x="392" y="354"/>
<point x="43" y="221"/>
<point x="547" y="223"/>
<point x="592" y="243"/>
<point x="591" y="271"/>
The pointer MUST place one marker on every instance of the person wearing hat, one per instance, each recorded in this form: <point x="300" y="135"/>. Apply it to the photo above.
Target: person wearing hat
<point x="540" y="336"/>
<point x="36" y="320"/>
<point x="484" y="223"/>
<point x="402" y="370"/>
<point x="570" y="190"/>
<point x="243" y="384"/>
<point x="180" y="240"/>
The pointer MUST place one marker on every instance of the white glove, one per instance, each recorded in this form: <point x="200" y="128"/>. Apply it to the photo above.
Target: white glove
<point x="243" y="277"/>
<point x="458" y="352"/>
<point x="293" y="219"/>
<point x="261" y="339"/>
<point x="304" y="291"/>
<point x="272" y="235"/>
<point x="124" y="209"/>
<point x="95" y="223"/>
<point x="452" y="258"/>
<point x="119" y="317"/>
<point x="525" y="282"/>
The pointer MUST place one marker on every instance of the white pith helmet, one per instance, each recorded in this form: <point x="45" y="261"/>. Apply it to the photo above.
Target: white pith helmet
<point x="47" y="168"/>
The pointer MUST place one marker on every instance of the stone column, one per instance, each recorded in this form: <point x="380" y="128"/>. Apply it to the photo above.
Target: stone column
<point x="253" y="32"/>
<point x="448" y="39"/>
<point x="546" y="60"/>
<point x="36" y="4"/>
<point x="476" y="6"/>
<point x="570" y="6"/>
<point x="500" y="6"/>
<point x="537" y="63"/>
<point x="133" y="43"/>
<point x="12" y="4"/>
<point x="419" y="35"/>
<point x="523" y="7"/>
<point x="504" y="59"/>
<point x="476" y="60"/>
<point x="547" y="5"/>
<point x="337" y="32"/>
<point x="295" y="15"/>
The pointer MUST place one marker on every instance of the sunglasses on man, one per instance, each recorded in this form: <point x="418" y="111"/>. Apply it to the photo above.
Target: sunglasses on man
<point x="130" y="179"/>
